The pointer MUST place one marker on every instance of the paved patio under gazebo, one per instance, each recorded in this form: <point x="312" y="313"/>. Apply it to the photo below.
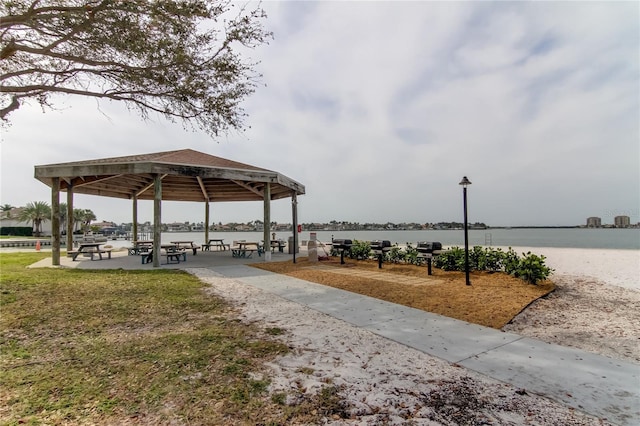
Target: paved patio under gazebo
<point x="181" y="175"/>
<point x="207" y="259"/>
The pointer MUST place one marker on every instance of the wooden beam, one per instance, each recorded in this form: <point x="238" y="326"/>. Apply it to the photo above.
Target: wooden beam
<point x="248" y="187"/>
<point x="86" y="180"/>
<point x="150" y="185"/>
<point x="202" y="188"/>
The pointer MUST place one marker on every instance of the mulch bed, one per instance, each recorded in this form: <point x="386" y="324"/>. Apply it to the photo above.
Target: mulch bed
<point x="492" y="300"/>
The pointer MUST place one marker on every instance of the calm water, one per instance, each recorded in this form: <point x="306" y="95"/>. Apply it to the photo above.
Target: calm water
<point x="570" y="238"/>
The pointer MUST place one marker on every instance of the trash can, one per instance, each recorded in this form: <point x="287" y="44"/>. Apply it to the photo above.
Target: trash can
<point x="290" y="245"/>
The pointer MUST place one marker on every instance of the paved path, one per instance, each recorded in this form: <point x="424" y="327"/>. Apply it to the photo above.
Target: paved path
<point x="600" y="386"/>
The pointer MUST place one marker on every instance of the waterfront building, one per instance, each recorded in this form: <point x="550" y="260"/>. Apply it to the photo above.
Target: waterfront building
<point x="622" y="221"/>
<point x="594" y="222"/>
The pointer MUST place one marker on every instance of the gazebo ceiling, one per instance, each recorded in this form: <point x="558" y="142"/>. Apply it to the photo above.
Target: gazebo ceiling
<point x="187" y="175"/>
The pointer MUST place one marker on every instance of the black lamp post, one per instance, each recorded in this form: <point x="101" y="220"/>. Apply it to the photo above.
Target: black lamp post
<point x="466" y="182"/>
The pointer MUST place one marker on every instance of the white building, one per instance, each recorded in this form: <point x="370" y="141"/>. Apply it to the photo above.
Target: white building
<point x="9" y="219"/>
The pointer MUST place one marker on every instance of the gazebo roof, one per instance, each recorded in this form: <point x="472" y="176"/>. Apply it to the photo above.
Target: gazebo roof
<point x="187" y="175"/>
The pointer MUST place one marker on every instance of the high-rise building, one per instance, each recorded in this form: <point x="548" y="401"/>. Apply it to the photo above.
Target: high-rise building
<point x="622" y="221"/>
<point x="594" y="222"/>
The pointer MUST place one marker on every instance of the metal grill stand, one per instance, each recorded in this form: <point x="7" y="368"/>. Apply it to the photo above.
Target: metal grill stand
<point x="379" y="248"/>
<point x="342" y="245"/>
<point x="427" y="250"/>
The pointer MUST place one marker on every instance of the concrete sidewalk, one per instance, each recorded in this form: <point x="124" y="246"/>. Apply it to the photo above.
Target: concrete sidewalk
<point x="600" y="386"/>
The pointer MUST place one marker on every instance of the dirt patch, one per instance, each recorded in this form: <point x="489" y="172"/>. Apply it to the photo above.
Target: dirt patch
<point x="492" y="299"/>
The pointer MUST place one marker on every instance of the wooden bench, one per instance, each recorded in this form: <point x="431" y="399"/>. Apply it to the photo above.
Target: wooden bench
<point x="101" y="252"/>
<point x="134" y="251"/>
<point x="194" y="248"/>
<point x="245" y="252"/>
<point x="91" y="253"/>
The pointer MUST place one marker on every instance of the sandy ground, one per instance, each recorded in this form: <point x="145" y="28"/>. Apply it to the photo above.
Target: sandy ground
<point x="596" y="306"/>
<point x="381" y="382"/>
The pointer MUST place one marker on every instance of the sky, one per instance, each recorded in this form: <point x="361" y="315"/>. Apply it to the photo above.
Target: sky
<point x="380" y="109"/>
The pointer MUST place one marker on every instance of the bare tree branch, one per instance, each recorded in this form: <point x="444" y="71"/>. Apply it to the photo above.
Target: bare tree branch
<point x="175" y="57"/>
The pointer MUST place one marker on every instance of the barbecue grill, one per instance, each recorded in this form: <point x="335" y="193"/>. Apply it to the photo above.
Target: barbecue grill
<point x="428" y="250"/>
<point x="379" y="248"/>
<point x="342" y="245"/>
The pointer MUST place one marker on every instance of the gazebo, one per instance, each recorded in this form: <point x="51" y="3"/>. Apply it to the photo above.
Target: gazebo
<point x="181" y="175"/>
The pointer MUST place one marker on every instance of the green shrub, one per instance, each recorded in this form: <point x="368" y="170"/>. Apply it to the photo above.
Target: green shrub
<point x="450" y="260"/>
<point x="477" y="258"/>
<point x="16" y="231"/>
<point x="395" y="255"/>
<point x="494" y="259"/>
<point x="411" y="255"/>
<point x="360" y="250"/>
<point x="510" y="262"/>
<point x="532" y="269"/>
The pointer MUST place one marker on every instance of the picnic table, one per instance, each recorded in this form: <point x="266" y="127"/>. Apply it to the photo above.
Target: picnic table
<point x="246" y="248"/>
<point x="186" y="245"/>
<point x="140" y="247"/>
<point x="278" y="244"/>
<point x="172" y="252"/>
<point x="89" y="248"/>
<point x="218" y="243"/>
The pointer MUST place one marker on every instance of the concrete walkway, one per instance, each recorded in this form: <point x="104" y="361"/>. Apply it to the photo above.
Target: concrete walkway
<point x="600" y="386"/>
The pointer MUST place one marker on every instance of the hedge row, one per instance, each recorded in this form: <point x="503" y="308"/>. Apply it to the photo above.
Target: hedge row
<point x="529" y="267"/>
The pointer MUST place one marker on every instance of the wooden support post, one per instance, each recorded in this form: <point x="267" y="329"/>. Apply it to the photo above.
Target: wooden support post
<point x="267" y="222"/>
<point x="294" y="214"/>
<point x="206" y="221"/>
<point x="55" y="221"/>
<point x="70" y="217"/>
<point x="134" y="226"/>
<point x="157" y="219"/>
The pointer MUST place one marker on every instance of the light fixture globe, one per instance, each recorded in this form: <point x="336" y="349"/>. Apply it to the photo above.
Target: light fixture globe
<point x="465" y="182"/>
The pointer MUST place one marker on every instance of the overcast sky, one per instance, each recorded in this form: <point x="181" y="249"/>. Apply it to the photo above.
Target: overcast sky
<point x="380" y="109"/>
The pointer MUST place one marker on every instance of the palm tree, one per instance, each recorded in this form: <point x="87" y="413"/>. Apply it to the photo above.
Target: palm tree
<point x="36" y="213"/>
<point x="83" y="217"/>
<point x="78" y="217"/>
<point x="88" y="217"/>
<point x="7" y="208"/>
<point x="63" y="217"/>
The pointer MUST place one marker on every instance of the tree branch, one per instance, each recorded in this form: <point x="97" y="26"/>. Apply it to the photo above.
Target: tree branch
<point x="14" y="105"/>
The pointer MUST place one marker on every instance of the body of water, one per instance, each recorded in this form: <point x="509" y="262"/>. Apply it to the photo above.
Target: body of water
<point x="519" y="237"/>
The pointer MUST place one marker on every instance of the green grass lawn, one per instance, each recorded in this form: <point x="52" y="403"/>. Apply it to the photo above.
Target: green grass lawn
<point x="143" y="347"/>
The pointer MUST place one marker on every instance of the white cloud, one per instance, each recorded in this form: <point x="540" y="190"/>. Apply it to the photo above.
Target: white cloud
<point x="380" y="108"/>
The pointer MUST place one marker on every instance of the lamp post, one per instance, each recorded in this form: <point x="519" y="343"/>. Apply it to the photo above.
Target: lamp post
<point x="466" y="182"/>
